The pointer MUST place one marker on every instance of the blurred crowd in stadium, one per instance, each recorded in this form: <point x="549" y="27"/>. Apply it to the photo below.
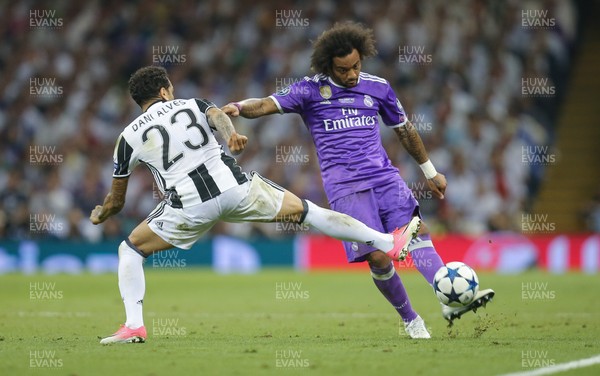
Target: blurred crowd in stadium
<point x="64" y="98"/>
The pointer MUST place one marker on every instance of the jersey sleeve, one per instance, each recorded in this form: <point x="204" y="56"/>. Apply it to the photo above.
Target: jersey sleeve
<point x="124" y="158"/>
<point x="204" y="105"/>
<point x="391" y="110"/>
<point x="291" y="98"/>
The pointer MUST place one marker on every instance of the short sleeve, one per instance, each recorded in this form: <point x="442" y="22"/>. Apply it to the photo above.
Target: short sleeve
<point x="123" y="158"/>
<point x="391" y="110"/>
<point x="204" y="105"/>
<point x="292" y="97"/>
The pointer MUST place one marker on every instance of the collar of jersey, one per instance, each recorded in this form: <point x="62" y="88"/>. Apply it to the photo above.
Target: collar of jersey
<point x="340" y="86"/>
<point x="153" y="103"/>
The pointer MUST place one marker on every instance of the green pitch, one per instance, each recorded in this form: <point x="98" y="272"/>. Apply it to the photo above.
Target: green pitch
<point x="282" y="322"/>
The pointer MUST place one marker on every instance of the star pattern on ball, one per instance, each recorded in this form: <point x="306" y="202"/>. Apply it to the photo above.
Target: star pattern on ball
<point x="472" y="284"/>
<point x="453" y="273"/>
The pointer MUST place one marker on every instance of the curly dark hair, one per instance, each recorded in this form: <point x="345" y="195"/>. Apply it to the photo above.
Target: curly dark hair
<point x="146" y="82"/>
<point x="339" y="41"/>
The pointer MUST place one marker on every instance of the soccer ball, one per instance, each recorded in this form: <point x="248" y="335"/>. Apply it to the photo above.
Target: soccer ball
<point x="455" y="284"/>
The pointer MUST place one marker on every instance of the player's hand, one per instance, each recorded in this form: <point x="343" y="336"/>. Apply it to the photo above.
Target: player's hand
<point x="231" y="110"/>
<point x="237" y="143"/>
<point x="438" y="185"/>
<point x="95" y="216"/>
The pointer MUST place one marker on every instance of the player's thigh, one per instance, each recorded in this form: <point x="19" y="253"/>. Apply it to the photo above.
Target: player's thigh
<point x="362" y="206"/>
<point x="397" y="204"/>
<point x="262" y="201"/>
<point x="182" y="227"/>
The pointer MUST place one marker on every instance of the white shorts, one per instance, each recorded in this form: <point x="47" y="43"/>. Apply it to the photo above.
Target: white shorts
<point x="257" y="200"/>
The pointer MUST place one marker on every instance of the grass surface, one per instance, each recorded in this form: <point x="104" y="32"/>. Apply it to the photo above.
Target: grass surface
<point x="283" y="322"/>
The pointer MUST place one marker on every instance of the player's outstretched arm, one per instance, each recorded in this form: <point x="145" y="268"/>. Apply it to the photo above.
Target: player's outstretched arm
<point x="113" y="202"/>
<point x="410" y="139"/>
<point x="251" y="108"/>
<point x="235" y="142"/>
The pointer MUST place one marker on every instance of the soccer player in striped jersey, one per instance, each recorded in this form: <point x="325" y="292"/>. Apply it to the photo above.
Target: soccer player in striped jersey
<point x="340" y="106"/>
<point x="201" y="185"/>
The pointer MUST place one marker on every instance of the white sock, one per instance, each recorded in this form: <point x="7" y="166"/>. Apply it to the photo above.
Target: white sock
<point x="132" y="284"/>
<point x="344" y="227"/>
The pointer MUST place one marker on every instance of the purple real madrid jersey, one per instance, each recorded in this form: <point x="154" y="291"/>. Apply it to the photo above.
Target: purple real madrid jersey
<point x="344" y="124"/>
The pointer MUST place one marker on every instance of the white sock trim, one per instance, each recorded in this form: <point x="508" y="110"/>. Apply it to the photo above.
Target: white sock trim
<point x="384" y="277"/>
<point x="125" y="248"/>
<point x="420" y="244"/>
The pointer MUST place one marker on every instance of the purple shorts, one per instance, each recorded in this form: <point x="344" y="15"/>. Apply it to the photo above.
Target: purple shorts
<point x="382" y="208"/>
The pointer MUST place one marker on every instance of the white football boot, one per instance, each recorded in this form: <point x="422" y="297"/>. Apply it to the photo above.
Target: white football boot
<point x="481" y="299"/>
<point x="416" y="329"/>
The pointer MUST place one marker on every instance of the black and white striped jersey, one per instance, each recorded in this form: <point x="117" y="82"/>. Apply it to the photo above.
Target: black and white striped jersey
<point x="177" y="144"/>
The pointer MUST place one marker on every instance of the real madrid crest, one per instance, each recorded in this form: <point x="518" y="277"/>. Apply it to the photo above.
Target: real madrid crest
<point x="325" y="91"/>
<point x="368" y="101"/>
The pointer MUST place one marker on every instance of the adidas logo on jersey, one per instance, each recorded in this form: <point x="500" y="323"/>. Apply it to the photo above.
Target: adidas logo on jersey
<point x="159" y="224"/>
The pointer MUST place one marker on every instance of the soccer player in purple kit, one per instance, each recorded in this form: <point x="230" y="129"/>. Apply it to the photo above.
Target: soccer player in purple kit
<point x="201" y="186"/>
<point x="340" y="107"/>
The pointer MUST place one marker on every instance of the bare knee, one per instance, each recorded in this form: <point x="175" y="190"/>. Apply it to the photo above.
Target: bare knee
<point x="378" y="259"/>
<point x="146" y="241"/>
<point x="293" y="209"/>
